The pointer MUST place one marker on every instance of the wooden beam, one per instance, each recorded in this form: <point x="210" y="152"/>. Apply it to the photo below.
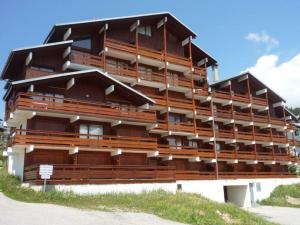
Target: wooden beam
<point x="167" y="158"/>
<point x="202" y="62"/>
<point x="116" y="123"/>
<point x="30" y="148"/>
<point x="262" y="91"/>
<point x="186" y="41"/>
<point x="28" y="59"/>
<point x="70" y="83"/>
<point x="161" y="22"/>
<point x="242" y="78"/>
<point x="30" y="88"/>
<point x="104" y="28"/>
<point x="110" y="89"/>
<point x="153" y="154"/>
<point x="145" y="106"/>
<point x="134" y="25"/>
<point x="67" y="34"/>
<point x="116" y="152"/>
<point x="195" y="159"/>
<point x="66" y="65"/>
<point x="278" y="104"/>
<point x="67" y="52"/>
<point x="74" y="119"/>
<point x="73" y="151"/>
<point x="226" y="84"/>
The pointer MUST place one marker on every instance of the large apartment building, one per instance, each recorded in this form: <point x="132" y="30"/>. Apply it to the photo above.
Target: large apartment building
<point x="127" y="101"/>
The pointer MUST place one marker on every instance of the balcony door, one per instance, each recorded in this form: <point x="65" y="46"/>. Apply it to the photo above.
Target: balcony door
<point x="89" y="131"/>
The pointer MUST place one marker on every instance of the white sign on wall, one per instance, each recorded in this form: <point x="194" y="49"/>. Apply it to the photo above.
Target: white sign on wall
<point x="46" y="171"/>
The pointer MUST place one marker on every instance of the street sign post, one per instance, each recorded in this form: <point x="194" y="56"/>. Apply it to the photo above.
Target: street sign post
<point x="45" y="172"/>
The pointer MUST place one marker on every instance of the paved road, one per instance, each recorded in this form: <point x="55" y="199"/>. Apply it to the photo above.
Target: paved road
<point x="20" y="213"/>
<point x="281" y="215"/>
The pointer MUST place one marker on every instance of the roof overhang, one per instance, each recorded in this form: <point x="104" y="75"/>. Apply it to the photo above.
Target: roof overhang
<point x="23" y="52"/>
<point x="133" y="93"/>
<point x="159" y="15"/>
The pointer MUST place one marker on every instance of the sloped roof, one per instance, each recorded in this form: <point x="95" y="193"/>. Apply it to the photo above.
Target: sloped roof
<point x="63" y="26"/>
<point x="70" y="75"/>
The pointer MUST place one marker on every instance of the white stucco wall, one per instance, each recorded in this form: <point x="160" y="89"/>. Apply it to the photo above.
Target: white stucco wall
<point x="239" y="195"/>
<point x="16" y="163"/>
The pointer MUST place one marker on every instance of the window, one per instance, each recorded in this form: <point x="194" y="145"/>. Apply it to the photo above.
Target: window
<point x="193" y="144"/>
<point x="49" y="97"/>
<point x="144" y="30"/>
<point x="175" y="142"/>
<point x="83" y="43"/>
<point x="96" y="131"/>
<point x="173" y="118"/>
<point x="145" y="72"/>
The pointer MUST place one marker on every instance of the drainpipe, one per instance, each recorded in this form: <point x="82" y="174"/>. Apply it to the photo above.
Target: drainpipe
<point x="215" y="72"/>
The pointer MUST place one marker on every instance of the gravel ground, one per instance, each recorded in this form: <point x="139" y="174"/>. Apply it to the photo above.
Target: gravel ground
<point x="281" y="215"/>
<point x="19" y="213"/>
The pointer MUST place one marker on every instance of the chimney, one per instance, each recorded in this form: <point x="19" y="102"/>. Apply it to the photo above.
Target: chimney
<point x="215" y="73"/>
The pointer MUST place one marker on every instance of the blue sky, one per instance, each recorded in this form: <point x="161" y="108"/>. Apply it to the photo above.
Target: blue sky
<point x="222" y="26"/>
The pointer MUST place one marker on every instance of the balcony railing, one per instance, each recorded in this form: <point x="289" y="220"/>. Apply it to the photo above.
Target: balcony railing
<point x="235" y="175"/>
<point x="259" y="101"/>
<point x="260" y="119"/>
<point x="98" y="174"/>
<point x="186" y="151"/>
<point x="206" y="132"/>
<point x="86" y="59"/>
<point x="177" y="127"/>
<point x="71" y="140"/>
<point x="224" y="134"/>
<point x="221" y="94"/>
<point x="33" y="101"/>
<point x="173" y="102"/>
<point x="195" y="175"/>
<point x="205" y="111"/>
<point x="241" y="98"/>
<point x="223" y="114"/>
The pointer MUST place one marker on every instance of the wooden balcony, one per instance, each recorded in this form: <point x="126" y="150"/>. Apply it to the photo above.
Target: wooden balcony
<point x="260" y="118"/>
<point x="37" y="102"/>
<point x="66" y="141"/>
<point x="205" y="132"/>
<point x="247" y="136"/>
<point x="185" y="152"/>
<point x="263" y="137"/>
<point x="101" y="174"/>
<point x="86" y="59"/>
<point x="227" y="114"/>
<point x="277" y="121"/>
<point x="195" y="175"/>
<point x="132" y="49"/>
<point x="279" y="138"/>
<point x="241" y="98"/>
<point x="199" y="72"/>
<point x="239" y="155"/>
<point x="182" y="127"/>
<point x="242" y="116"/>
<point x="186" y="127"/>
<point x="221" y="94"/>
<point x="247" y="175"/>
<point x="180" y="82"/>
<point x="259" y="101"/>
<point x="185" y="105"/>
<point x="226" y="134"/>
<point x="203" y="111"/>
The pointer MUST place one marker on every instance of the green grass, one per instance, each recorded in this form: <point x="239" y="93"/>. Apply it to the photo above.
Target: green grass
<point x="279" y="196"/>
<point x="181" y="207"/>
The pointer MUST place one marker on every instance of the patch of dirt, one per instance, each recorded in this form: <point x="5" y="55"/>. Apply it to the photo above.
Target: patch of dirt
<point x="293" y="201"/>
<point x="227" y="218"/>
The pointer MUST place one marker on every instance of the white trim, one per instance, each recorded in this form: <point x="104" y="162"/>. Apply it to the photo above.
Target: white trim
<point x="67" y="34"/>
<point x="28" y="58"/>
<point x="43" y="45"/>
<point x="134" y="25"/>
<point x="110" y="89"/>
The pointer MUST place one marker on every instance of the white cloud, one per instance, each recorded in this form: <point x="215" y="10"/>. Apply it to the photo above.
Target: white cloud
<point x="264" y="38"/>
<point x="283" y="78"/>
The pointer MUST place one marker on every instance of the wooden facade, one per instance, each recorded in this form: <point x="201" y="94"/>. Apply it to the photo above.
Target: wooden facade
<point x="128" y="100"/>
